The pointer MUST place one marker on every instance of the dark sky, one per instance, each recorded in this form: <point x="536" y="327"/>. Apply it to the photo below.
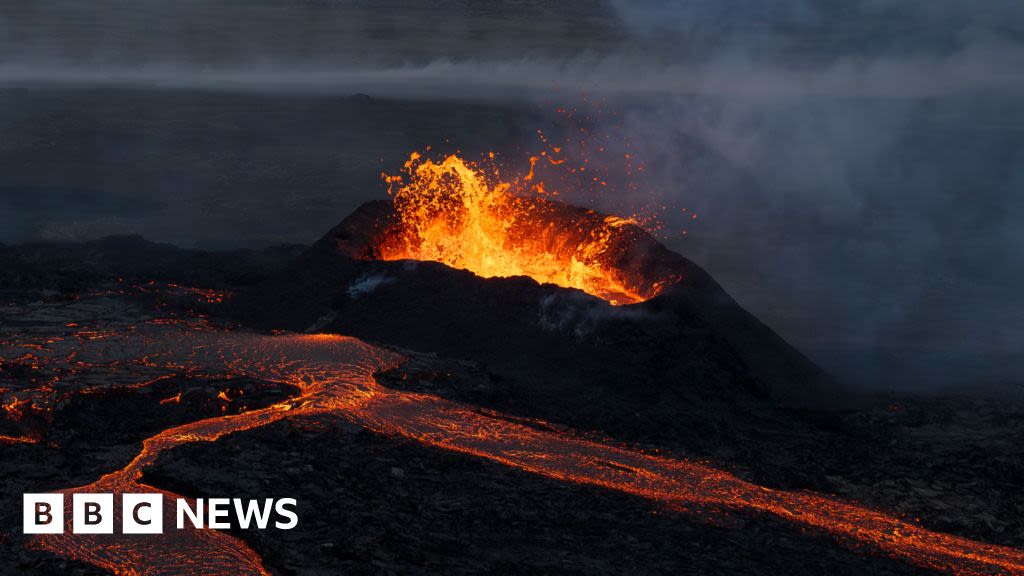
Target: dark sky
<point x="858" y="166"/>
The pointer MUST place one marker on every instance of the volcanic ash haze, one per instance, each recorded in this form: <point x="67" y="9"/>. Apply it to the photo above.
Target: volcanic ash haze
<point x="858" y="162"/>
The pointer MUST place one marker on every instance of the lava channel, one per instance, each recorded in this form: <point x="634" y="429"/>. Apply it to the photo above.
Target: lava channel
<point x="335" y="376"/>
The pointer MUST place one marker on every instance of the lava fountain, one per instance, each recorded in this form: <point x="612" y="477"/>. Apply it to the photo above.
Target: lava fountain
<point x="464" y="215"/>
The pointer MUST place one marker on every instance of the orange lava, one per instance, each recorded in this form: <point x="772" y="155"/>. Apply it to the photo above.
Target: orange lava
<point x="465" y="216"/>
<point x="335" y="377"/>
<point x="5" y="439"/>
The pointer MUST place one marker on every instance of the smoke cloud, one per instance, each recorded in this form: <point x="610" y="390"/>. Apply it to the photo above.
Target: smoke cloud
<point x="858" y="176"/>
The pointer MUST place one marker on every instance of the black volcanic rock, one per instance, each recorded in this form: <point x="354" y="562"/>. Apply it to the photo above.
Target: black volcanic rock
<point x="692" y="342"/>
<point x="372" y="502"/>
<point x="72" y="266"/>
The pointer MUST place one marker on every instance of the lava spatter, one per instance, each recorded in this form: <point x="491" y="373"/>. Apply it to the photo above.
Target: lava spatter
<point x="464" y="215"/>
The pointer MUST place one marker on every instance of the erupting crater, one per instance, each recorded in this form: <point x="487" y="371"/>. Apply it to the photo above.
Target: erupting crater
<point x="464" y="215"/>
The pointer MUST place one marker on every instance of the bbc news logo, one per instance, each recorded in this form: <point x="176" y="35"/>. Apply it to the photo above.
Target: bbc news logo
<point x="144" y="513"/>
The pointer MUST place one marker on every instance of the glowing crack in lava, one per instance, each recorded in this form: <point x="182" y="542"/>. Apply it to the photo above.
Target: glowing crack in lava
<point x="465" y="216"/>
<point x="335" y="375"/>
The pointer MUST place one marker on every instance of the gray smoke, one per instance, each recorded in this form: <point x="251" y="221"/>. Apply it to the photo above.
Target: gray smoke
<point x="858" y="171"/>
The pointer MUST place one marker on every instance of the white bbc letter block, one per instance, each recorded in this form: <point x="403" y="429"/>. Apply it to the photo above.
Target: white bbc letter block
<point x="42" y="513"/>
<point x="142" y="514"/>
<point x="92" y="513"/>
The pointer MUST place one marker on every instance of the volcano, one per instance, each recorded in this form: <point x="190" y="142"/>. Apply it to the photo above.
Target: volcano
<point x="440" y="378"/>
<point x="569" y="303"/>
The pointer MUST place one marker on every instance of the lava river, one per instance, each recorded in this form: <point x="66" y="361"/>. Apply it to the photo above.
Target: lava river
<point x="335" y="375"/>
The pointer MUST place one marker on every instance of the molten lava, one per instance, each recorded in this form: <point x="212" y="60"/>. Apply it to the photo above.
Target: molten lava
<point x="463" y="215"/>
<point x="335" y="378"/>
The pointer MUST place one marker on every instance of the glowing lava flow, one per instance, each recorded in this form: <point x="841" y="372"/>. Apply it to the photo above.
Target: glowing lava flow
<point x="455" y="213"/>
<point x="6" y="439"/>
<point x="335" y="376"/>
<point x="332" y="377"/>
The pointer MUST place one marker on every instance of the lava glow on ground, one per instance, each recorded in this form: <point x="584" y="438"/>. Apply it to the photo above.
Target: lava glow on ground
<point x="335" y="376"/>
